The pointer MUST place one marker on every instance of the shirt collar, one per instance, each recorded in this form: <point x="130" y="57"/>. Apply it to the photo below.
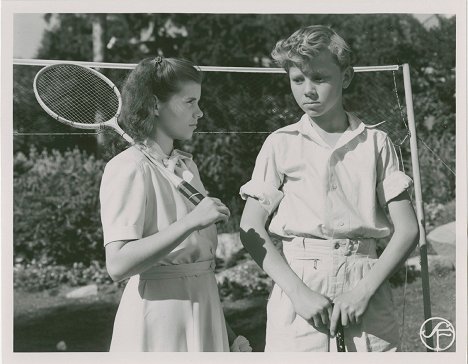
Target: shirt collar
<point x="356" y="127"/>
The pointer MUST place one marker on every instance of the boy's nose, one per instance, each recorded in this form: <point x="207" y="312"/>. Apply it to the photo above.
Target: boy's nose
<point x="310" y="90"/>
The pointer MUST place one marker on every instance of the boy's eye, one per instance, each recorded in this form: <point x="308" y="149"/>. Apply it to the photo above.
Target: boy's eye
<point x="297" y="80"/>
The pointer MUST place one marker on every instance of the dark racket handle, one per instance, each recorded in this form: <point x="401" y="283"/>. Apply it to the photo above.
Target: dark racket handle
<point x="340" y="344"/>
<point x="192" y="194"/>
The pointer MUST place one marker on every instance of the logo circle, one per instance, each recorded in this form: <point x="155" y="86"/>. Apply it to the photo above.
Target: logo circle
<point x="442" y="334"/>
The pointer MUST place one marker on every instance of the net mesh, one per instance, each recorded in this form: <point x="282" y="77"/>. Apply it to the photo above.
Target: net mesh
<point x="240" y="109"/>
<point x="76" y="94"/>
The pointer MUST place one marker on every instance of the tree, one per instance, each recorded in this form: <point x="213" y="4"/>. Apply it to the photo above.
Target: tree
<point x="235" y="102"/>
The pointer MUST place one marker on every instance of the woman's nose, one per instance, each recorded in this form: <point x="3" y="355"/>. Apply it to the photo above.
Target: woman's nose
<point x="199" y="113"/>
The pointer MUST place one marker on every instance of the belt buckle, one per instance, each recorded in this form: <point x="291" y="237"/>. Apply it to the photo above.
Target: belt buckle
<point x="350" y="245"/>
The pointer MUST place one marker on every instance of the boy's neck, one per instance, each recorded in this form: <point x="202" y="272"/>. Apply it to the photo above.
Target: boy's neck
<point x="334" y="121"/>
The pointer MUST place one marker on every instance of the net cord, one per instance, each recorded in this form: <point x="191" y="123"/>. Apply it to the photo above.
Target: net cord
<point x="46" y="62"/>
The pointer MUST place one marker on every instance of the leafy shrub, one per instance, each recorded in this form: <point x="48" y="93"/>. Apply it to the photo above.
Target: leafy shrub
<point x="56" y="207"/>
<point x="438" y="214"/>
<point x="37" y="276"/>
<point x="243" y="280"/>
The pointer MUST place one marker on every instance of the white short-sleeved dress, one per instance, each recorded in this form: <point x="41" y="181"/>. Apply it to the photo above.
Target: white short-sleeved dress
<point x="174" y="305"/>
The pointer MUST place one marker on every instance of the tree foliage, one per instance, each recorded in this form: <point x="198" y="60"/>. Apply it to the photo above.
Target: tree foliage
<point x="260" y="103"/>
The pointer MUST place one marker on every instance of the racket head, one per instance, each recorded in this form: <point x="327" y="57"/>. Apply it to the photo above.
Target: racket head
<point x="77" y="95"/>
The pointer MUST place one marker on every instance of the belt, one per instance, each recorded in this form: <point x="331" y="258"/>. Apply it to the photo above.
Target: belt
<point x="359" y="246"/>
<point x="179" y="270"/>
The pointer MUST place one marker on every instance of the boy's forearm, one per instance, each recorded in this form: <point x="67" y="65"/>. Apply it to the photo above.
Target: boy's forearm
<point x="397" y="250"/>
<point x="257" y="242"/>
<point x="265" y="254"/>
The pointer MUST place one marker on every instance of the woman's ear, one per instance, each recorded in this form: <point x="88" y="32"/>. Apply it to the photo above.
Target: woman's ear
<point x="348" y="75"/>
<point x="156" y="105"/>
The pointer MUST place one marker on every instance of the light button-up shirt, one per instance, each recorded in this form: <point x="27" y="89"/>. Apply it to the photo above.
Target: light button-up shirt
<point x="315" y="190"/>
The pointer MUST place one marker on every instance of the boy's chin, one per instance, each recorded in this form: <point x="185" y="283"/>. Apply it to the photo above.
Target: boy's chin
<point x="313" y="113"/>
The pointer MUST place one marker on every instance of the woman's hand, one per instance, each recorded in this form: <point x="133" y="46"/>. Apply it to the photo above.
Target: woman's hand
<point x="209" y="211"/>
<point x="312" y="307"/>
<point x="349" y="307"/>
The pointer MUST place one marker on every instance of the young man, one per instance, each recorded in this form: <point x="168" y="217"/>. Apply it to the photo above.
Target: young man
<point x="327" y="179"/>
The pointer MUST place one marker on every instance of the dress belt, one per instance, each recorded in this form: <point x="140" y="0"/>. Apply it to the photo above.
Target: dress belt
<point x="179" y="270"/>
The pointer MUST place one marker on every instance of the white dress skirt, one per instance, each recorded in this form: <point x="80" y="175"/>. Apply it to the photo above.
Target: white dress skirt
<point x="174" y="310"/>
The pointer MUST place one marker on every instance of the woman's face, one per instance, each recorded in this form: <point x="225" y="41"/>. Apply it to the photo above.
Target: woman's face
<point x="178" y="116"/>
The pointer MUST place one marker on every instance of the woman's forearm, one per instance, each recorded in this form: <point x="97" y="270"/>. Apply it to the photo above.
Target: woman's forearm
<point x="125" y="259"/>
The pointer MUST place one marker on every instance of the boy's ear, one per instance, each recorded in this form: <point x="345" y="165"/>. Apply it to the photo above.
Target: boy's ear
<point x="348" y="75"/>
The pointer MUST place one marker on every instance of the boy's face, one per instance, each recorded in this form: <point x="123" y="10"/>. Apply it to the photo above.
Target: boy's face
<point x="317" y="88"/>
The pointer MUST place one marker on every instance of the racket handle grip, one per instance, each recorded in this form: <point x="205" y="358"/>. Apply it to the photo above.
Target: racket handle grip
<point x="340" y="344"/>
<point x="192" y="194"/>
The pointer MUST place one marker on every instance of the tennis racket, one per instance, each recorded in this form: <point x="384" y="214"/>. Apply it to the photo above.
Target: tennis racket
<point x="84" y="98"/>
<point x="340" y="344"/>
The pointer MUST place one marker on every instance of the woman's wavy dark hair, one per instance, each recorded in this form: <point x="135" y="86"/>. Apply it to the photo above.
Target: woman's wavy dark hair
<point x="152" y="76"/>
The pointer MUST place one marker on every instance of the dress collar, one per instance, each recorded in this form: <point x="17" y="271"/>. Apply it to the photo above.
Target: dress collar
<point x="155" y="150"/>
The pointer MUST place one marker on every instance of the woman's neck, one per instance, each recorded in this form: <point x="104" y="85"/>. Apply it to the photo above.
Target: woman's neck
<point x="165" y="142"/>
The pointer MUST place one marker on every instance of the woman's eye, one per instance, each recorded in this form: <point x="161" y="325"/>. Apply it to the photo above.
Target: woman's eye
<point x="298" y="80"/>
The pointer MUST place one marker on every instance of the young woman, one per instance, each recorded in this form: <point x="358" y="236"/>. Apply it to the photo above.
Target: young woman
<point x="152" y="233"/>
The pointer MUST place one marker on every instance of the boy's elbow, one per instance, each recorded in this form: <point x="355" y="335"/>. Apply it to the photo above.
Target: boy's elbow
<point x="413" y="233"/>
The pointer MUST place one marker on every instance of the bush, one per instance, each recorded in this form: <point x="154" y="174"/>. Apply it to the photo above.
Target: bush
<point x="36" y="276"/>
<point x="56" y="207"/>
<point x="243" y="280"/>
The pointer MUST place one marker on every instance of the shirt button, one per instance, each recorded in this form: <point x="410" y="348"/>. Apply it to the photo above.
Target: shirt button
<point x="341" y="223"/>
<point x="333" y="186"/>
<point x="337" y="245"/>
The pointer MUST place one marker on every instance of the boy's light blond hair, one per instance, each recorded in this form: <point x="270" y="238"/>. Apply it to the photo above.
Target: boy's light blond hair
<point x="307" y="43"/>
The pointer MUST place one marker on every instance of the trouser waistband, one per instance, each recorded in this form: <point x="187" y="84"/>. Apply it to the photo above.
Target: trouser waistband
<point x="298" y="247"/>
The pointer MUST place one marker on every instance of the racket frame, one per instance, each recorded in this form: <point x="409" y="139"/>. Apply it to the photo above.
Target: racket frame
<point x="185" y="188"/>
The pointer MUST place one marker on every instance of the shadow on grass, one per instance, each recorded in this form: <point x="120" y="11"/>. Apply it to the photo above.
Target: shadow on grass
<point x="87" y="326"/>
<point x="82" y="326"/>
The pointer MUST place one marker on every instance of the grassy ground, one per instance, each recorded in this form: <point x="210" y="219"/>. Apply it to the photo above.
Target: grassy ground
<point x="44" y="319"/>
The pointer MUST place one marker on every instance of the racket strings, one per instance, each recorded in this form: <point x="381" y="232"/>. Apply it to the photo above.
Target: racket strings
<point x="77" y="94"/>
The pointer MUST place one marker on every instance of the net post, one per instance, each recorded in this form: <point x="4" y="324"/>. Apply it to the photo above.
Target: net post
<point x="419" y="202"/>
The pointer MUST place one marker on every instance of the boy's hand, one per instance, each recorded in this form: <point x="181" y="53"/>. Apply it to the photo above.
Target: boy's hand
<point x="312" y="307"/>
<point x="350" y="307"/>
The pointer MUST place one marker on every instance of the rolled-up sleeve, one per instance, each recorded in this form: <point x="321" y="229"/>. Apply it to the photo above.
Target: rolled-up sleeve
<point x="266" y="180"/>
<point x="123" y="198"/>
<point x="391" y="181"/>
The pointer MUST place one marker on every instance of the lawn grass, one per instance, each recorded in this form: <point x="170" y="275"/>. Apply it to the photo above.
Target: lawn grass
<point x="41" y="320"/>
